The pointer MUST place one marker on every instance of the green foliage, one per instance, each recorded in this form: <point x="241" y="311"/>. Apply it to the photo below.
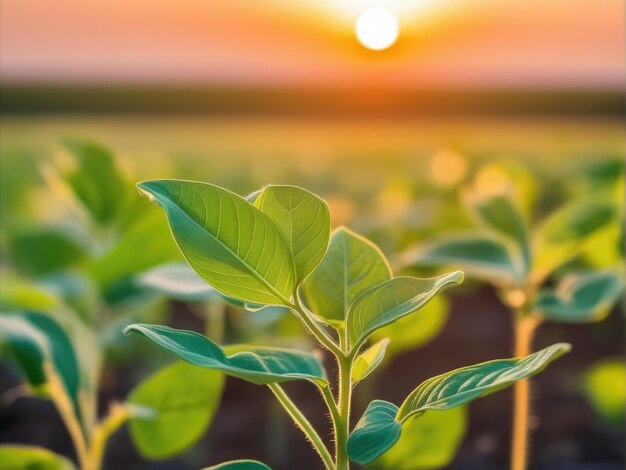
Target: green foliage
<point x="367" y="361"/>
<point x="240" y="465"/>
<point x="255" y="364"/>
<point x="177" y="281"/>
<point x="33" y="340"/>
<point x="351" y="266"/>
<point x="381" y="425"/>
<point x="171" y="410"/>
<point x="604" y="384"/>
<point x="582" y="297"/>
<point x="18" y="457"/>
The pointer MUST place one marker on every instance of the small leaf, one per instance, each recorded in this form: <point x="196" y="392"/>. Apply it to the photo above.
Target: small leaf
<point x="177" y="281"/>
<point x="178" y="404"/>
<point x="563" y="234"/>
<point x="375" y="433"/>
<point x="304" y="221"/>
<point x="429" y="442"/>
<point x="480" y="256"/>
<point x="463" y="385"/>
<point x="351" y="266"/>
<point x="392" y="300"/>
<point x="368" y="360"/>
<point x="96" y="182"/>
<point x="32" y="339"/>
<point x="230" y="243"/>
<point x="605" y="386"/>
<point x="258" y="365"/>
<point x="582" y="297"/>
<point x="499" y="213"/>
<point x="22" y="457"/>
<point x="240" y="465"/>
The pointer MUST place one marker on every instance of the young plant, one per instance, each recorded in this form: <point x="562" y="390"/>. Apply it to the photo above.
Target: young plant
<point x="57" y="326"/>
<point x="275" y="248"/>
<point x="518" y="262"/>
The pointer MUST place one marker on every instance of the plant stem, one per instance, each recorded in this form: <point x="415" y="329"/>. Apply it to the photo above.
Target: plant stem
<point x="525" y="326"/>
<point x="64" y="405"/>
<point x="214" y="312"/>
<point x="321" y="335"/>
<point x="118" y="414"/>
<point x="342" y="424"/>
<point x="303" y="423"/>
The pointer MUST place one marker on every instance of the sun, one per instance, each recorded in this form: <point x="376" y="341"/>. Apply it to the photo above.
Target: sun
<point x="377" y="29"/>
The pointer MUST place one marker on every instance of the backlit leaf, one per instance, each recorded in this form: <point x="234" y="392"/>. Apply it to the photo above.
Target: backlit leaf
<point x="377" y="430"/>
<point x="175" y="406"/>
<point x="22" y="457"/>
<point x="255" y="364"/>
<point x="304" y="221"/>
<point x="240" y="465"/>
<point x="230" y="243"/>
<point x="365" y="363"/>
<point x="177" y="281"/>
<point x="605" y="386"/>
<point x="352" y="265"/>
<point x="463" y="385"/>
<point x="391" y="301"/>
<point x="582" y="297"/>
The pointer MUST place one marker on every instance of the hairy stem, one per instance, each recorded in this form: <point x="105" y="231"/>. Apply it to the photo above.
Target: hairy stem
<point x="525" y="326"/>
<point x="303" y="423"/>
<point x="315" y="329"/>
<point x="342" y="423"/>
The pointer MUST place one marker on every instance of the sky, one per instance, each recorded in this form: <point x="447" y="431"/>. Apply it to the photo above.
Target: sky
<point x="577" y="44"/>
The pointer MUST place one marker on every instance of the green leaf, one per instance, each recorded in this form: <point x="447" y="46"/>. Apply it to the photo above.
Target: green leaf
<point x="377" y="430"/>
<point x="304" y="221"/>
<point x="499" y="213"/>
<point x="582" y="297"/>
<point x="22" y="457"/>
<point x="33" y="339"/>
<point x="258" y="365"/>
<point x="605" y="386"/>
<point x="480" y="256"/>
<point x="230" y="243"/>
<point x="392" y="300"/>
<point x="429" y="442"/>
<point x="177" y="281"/>
<point x="45" y="250"/>
<point x="365" y="363"/>
<point x="173" y="408"/>
<point x="414" y="331"/>
<point x="563" y="234"/>
<point x="96" y="182"/>
<point x="463" y="385"/>
<point x="240" y="465"/>
<point x="352" y="265"/>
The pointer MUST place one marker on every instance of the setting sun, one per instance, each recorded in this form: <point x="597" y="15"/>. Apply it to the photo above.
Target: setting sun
<point x="377" y="29"/>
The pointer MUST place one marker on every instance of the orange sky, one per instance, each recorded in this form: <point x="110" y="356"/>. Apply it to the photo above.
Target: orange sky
<point x="486" y="43"/>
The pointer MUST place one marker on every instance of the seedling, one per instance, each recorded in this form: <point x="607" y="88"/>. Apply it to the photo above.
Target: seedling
<point x="275" y="248"/>
<point x="518" y="262"/>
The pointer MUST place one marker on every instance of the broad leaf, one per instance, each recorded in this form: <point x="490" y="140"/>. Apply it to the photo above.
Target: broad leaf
<point x="173" y="409"/>
<point x="365" y="363"/>
<point x="392" y="300"/>
<point x="304" y="221"/>
<point x="564" y="232"/>
<point x="33" y="339"/>
<point x="96" y="182"/>
<point x="22" y="457"/>
<point x="499" y="213"/>
<point x="414" y="331"/>
<point x="352" y="265"/>
<point x="256" y="364"/>
<point x="429" y="442"/>
<point x="480" y="256"/>
<point x="463" y="385"/>
<point x="177" y="281"/>
<point x="582" y="297"/>
<point x="240" y="465"/>
<point x="377" y="430"/>
<point x="230" y="243"/>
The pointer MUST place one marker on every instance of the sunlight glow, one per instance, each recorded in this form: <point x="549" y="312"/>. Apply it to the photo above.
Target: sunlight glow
<point x="377" y="29"/>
